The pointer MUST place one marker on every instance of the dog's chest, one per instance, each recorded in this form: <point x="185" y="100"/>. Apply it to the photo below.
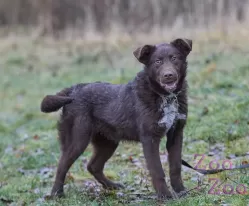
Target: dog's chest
<point x="170" y="114"/>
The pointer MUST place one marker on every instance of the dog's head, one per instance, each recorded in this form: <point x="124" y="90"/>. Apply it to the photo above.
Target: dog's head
<point x="165" y="64"/>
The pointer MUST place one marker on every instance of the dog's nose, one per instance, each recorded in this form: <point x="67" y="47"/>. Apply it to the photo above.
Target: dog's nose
<point x="168" y="75"/>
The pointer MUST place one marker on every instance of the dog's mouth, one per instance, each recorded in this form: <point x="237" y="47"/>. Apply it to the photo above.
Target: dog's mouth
<point x="169" y="85"/>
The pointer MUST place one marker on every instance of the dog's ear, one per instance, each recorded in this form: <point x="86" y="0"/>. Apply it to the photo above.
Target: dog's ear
<point x="183" y="45"/>
<point x="143" y="53"/>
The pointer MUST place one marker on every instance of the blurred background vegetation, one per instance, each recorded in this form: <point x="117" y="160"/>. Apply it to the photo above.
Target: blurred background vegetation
<point x="121" y="16"/>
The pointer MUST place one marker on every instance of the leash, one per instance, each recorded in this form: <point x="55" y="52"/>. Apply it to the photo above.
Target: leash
<point x="213" y="171"/>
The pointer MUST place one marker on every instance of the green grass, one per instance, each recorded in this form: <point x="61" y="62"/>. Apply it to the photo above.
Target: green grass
<point x="218" y="123"/>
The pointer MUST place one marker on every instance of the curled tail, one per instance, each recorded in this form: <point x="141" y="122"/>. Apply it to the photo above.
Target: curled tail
<point x="52" y="103"/>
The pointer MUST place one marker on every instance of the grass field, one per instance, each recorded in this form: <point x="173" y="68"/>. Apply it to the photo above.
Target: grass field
<point x="218" y="123"/>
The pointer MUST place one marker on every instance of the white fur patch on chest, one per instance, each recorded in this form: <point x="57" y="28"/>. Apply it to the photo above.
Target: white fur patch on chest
<point x="169" y="108"/>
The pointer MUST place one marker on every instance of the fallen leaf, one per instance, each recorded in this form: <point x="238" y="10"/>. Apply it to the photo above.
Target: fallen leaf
<point x="204" y="111"/>
<point x="244" y="162"/>
<point x="36" y="137"/>
<point x="130" y="158"/>
<point x="236" y="121"/>
<point x="69" y="178"/>
<point x="210" y="68"/>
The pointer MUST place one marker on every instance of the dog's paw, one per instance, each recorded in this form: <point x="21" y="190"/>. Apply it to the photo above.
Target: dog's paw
<point x="164" y="196"/>
<point x="182" y="193"/>
<point x="177" y="195"/>
<point x="53" y="196"/>
<point x="56" y="194"/>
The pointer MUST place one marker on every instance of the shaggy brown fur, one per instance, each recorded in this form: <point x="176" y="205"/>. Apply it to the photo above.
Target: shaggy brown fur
<point x="144" y="110"/>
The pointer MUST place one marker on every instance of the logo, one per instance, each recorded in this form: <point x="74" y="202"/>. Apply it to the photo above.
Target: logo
<point x="229" y="183"/>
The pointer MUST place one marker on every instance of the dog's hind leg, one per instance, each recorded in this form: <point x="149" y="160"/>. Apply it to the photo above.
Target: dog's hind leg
<point x="74" y="141"/>
<point x="103" y="150"/>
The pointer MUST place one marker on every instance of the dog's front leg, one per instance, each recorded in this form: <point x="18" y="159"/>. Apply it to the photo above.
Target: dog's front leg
<point x="174" y="147"/>
<point x="151" y="154"/>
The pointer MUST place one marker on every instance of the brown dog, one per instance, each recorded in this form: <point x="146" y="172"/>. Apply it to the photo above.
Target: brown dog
<point x="149" y="107"/>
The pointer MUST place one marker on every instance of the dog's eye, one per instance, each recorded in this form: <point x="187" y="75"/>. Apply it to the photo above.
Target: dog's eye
<point x="173" y="58"/>
<point x="158" y="61"/>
